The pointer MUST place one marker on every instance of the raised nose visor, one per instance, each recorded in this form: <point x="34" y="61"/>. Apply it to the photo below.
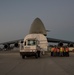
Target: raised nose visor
<point x="37" y="27"/>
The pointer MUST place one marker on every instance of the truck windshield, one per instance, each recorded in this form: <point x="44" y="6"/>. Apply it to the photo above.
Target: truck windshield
<point x="31" y="42"/>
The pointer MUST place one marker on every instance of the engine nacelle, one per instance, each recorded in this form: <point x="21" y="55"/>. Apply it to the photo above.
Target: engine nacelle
<point x="16" y="45"/>
<point x="71" y="45"/>
<point x="5" y="46"/>
<point x="60" y="44"/>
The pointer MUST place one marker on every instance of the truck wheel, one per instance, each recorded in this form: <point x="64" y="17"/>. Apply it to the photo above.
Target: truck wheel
<point x="23" y="56"/>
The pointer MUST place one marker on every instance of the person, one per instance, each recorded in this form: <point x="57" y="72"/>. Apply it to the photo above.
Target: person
<point x="58" y="51"/>
<point x="38" y="50"/>
<point x="61" y="51"/>
<point x="67" y="51"/>
<point x="52" y="49"/>
<point x="64" y="52"/>
<point x="55" y="51"/>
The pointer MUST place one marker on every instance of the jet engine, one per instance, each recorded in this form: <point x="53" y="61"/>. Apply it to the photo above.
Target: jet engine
<point x="16" y="45"/>
<point x="60" y="44"/>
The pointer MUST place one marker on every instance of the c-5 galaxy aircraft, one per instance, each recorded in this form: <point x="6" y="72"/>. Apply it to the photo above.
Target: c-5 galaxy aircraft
<point x="37" y="27"/>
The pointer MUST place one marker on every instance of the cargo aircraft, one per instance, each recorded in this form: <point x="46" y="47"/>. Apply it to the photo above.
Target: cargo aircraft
<point x="37" y="27"/>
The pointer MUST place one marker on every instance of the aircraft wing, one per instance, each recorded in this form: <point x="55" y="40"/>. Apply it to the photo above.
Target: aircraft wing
<point x="16" y="42"/>
<point x="7" y="45"/>
<point x="48" y="39"/>
<point x="11" y="42"/>
<point x="58" y="40"/>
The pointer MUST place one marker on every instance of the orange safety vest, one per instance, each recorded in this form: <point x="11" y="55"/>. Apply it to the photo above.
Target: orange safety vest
<point x="55" y="49"/>
<point x="67" y="49"/>
<point x="52" y="49"/>
<point x="58" y="50"/>
<point x="63" y="49"/>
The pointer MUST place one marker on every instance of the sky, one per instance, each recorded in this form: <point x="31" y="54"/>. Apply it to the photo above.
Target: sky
<point x="16" y="17"/>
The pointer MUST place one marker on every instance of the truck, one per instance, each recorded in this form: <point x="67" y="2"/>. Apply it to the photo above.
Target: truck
<point x="33" y="45"/>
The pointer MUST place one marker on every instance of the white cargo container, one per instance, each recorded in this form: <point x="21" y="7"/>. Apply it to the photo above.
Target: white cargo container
<point x="33" y="45"/>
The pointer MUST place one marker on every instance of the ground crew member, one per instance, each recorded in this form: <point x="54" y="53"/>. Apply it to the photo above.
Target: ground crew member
<point x="58" y="51"/>
<point x="64" y="52"/>
<point x="38" y="50"/>
<point x="52" y="49"/>
<point x="61" y="51"/>
<point x="55" y="51"/>
<point x="67" y="51"/>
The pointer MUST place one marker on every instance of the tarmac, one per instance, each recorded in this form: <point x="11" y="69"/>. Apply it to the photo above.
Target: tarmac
<point x="11" y="63"/>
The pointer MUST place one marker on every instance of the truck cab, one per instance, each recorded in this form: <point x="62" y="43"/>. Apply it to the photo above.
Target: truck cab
<point x="30" y="48"/>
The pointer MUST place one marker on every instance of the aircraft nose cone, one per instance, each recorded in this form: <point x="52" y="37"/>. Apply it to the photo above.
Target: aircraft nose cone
<point x="37" y="27"/>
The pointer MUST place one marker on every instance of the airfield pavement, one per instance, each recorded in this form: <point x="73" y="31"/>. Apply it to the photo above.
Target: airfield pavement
<point x="11" y="63"/>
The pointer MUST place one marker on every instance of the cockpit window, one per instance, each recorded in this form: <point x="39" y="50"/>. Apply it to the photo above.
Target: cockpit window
<point x="31" y="42"/>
